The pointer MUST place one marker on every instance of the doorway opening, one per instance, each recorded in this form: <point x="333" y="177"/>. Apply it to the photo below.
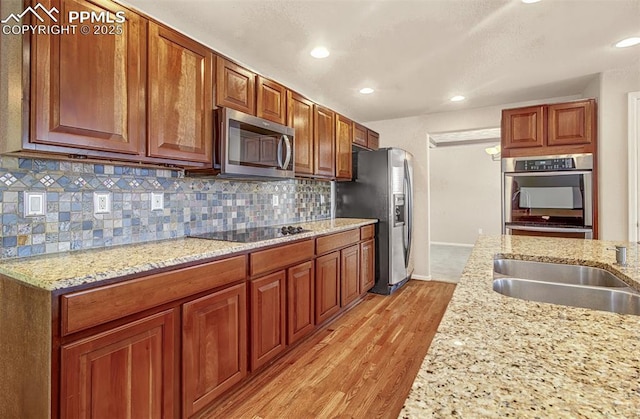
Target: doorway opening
<point x="464" y="196"/>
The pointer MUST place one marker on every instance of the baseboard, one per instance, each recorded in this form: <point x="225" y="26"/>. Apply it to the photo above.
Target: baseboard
<point x="448" y="281"/>
<point x="452" y="244"/>
<point x="421" y="277"/>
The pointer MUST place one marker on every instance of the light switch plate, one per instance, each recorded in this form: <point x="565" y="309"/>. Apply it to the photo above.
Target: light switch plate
<point x="35" y="204"/>
<point x="101" y="203"/>
<point x="157" y="201"/>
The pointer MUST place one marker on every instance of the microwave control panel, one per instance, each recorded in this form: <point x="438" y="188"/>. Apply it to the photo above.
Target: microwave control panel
<point x="545" y="164"/>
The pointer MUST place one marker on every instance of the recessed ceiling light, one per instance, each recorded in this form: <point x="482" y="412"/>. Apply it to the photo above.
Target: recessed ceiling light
<point x="457" y="98"/>
<point x="366" y="90"/>
<point x="319" y="52"/>
<point x="530" y="1"/>
<point x="629" y="42"/>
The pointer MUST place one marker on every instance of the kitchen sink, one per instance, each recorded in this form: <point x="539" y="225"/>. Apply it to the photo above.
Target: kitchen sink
<point x="613" y="299"/>
<point x="569" y="285"/>
<point x="556" y="273"/>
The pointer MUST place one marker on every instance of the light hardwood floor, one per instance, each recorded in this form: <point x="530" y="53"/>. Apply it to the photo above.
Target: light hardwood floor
<point x="360" y="366"/>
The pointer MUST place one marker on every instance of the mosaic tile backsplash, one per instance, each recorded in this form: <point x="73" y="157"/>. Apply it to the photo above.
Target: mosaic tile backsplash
<point x="191" y="205"/>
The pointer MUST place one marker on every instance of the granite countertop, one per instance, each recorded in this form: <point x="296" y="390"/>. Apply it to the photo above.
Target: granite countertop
<point x="496" y="356"/>
<point x="69" y="269"/>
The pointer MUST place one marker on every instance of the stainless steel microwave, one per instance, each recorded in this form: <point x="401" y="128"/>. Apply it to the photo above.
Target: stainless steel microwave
<point x="248" y="146"/>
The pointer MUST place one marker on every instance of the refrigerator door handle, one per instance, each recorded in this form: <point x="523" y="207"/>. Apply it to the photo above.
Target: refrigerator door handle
<point x="409" y="212"/>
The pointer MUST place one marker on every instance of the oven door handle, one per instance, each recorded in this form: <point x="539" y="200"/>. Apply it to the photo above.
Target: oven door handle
<point x="550" y="229"/>
<point x="558" y="173"/>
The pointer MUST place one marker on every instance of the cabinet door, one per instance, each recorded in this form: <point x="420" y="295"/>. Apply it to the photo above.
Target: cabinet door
<point x="523" y="127"/>
<point x="267" y="318"/>
<point x="301" y="119"/>
<point x="235" y="87"/>
<point x="571" y="123"/>
<point x="343" y="147"/>
<point x="272" y="101"/>
<point x="359" y="135"/>
<point x="350" y="274"/>
<point x="324" y="142"/>
<point x="367" y="265"/>
<point x="373" y="140"/>
<point x="327" y="286"/>
<point x="300" y="301"/>
<point x="214" y="346"/>
<point x="124" y="372"/>
<point x="180" y="103"/>
<point x="88" y="91"/>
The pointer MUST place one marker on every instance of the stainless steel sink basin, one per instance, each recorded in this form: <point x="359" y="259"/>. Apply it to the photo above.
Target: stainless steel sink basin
<point x="556" y="273"/>
<point x="616" y="300"/>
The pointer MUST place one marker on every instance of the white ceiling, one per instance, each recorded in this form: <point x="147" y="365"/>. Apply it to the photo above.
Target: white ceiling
<point x="416" y="54"/>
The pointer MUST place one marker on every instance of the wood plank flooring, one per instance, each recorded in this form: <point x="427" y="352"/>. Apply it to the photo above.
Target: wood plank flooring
<point x="360" y="366"/>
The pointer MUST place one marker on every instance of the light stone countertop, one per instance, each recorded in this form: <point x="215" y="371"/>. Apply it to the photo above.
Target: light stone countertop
<point x="69" y="269"/>
<point x="495" y="356"/>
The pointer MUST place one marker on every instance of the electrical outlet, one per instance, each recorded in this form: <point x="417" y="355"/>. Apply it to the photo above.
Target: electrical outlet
<point x="275" y="200"/>
<point x="35" y="204"/>
<point x="101" y="203"/>
<point x="157" y="201"/>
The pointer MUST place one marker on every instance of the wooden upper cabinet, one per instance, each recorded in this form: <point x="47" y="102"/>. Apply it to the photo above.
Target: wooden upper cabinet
<point x="88" y="91"/>
<point x="343" y="147"/>
<point x="180" y="102"/>
<point x="300" y="117"/>
<point x="523" y="127"/>
<point x="235" y="87"/>
<point x="554" y="129"/>
<point x="125" y="372"/>
<point x="324" y="142"/>
<point x="272" y="101"/>
<point x="214" y="346"/>
<point x="571" y="123"/>
<point x="373" y="140"/>
<point x="359" y="135"/>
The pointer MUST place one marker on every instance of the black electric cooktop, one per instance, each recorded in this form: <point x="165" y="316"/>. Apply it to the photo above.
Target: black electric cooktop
<point x="250" y="235"/>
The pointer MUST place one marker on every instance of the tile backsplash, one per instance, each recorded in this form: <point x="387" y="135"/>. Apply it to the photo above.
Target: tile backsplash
<point x="191" y="205"/>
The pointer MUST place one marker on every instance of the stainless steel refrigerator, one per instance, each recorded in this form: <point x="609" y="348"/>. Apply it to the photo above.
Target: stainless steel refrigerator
<point x="383" y="188"/>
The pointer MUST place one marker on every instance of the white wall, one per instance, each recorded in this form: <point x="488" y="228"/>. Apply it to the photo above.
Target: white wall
<point x="612" y="150"/>
<point x="465" y="193"/>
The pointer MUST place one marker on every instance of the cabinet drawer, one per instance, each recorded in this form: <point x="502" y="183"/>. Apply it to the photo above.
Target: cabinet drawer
<point x="367" y="232"/>
<point x="337" y="241"/>
<point x="84" y="309"/>
<point x="280" y="257"/>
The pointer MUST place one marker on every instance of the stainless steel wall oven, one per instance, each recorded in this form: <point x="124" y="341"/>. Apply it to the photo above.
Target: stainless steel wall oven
<point x="548" y="196"/>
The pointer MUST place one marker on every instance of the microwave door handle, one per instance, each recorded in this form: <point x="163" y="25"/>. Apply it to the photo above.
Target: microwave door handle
<point x="279" y="152"/>
<point x="287" y="142"/>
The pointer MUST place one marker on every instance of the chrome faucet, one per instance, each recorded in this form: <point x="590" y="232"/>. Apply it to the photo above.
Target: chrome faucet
<point x="621" y="255"/>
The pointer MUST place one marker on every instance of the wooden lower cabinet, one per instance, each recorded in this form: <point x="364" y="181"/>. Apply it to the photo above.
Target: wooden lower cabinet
<point x="214" y="346"/>
<point x="327" y="286"/>
<point x="367" y="265"/>
<point x="349" y="274"/>
<point x="124" y="372"/>
<point x="176" y="362"/>
<point x="268" y="321"/>
<point x="300" y="301"/>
